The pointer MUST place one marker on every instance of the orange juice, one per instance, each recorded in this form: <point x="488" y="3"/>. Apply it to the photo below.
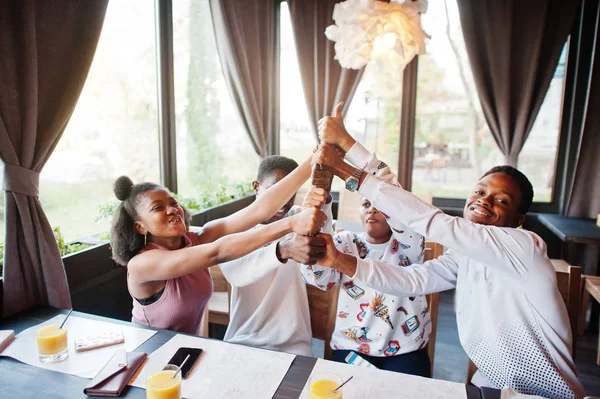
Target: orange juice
<point x="324" y="389"/>
<point x="162" y="385"/>
<point x="52" y="343"/>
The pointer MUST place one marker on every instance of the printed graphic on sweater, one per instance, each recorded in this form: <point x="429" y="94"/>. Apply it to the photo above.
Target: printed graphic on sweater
<point x="380" y="309"/>
<point x="363" y="312"/>
<point x="354" y="291"/>
<point x="363" y="250"/>
<point x="394" y="246"/>
<point x="357" y="334"/>
<point x="403" y="246"/>
<point x="364" y="349"/>
<point x="410" y="325"/>
<point x="342" y="314"/>
<point x="392" y="348"/>
<point x="404" y="261"/>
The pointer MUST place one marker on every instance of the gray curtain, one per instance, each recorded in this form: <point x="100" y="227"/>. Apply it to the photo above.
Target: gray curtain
<point x="583" y="191"/>
<point x="46" y="48"/>
<point x="513" y="49"/>
<point x="324" y="81"/>
<point x="245" y="33"/>
<point x="584" y="198"/>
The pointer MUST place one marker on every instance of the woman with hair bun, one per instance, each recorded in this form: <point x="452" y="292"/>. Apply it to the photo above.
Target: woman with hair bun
<point x="167" y="274"/>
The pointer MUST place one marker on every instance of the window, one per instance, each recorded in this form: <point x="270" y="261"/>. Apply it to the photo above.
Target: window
<point x="113" y="130"/>
<point x="373" y="117"/>
<point x="297" y="139"/>
<point x="538" y="156"/>
<point x="453" y="145"/>
<point x="213" y="148"/>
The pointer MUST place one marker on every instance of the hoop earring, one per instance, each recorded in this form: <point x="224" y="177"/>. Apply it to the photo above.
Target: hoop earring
<point x="145" y="238"/>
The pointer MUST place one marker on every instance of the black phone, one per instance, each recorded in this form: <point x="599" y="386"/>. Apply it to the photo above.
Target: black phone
<point x="180" y="356"/>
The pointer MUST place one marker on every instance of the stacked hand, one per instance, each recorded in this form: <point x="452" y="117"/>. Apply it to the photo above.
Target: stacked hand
<point x="302" y="249"/>
<point x="315" y="198"/>
<point x="309" y="221"/>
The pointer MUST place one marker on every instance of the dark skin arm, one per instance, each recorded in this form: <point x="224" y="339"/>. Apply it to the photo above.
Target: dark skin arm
<point x="342" y="262"/>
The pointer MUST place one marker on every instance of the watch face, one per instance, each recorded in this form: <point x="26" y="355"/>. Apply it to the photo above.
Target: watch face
<point x="351" y="183"/>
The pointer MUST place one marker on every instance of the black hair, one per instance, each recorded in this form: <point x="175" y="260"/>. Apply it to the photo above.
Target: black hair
<point x="272" y="163"/>
<point x="524" y="185"/>
<point x="125" y="241"/>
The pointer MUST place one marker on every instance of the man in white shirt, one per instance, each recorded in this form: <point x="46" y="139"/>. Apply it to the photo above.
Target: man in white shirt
<point x="269" y="304"/>
<point x="512" y="321"/>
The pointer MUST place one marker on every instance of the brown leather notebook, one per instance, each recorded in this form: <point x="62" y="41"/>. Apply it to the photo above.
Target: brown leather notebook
<point x="114" y="376"/>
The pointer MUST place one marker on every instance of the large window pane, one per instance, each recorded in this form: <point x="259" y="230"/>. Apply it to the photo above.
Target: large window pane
<point x="113" y="130"/>
<point x="213" y="147"/>
<point x="373" y="117"/>
<point x="297" y="139"/>
<point x="452" y="143"/>
<point x="538" y="156"/>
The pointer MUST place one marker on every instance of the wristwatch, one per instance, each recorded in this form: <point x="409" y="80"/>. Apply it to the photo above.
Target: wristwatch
<point x="353" y="181"/>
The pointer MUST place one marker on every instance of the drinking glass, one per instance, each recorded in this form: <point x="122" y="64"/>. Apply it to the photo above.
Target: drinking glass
<point x="52" y="344"/>
<point x="322" y="386"/>
<point x="162" y="385"/>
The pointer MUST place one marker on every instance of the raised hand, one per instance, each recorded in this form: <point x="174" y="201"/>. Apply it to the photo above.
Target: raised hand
<point x="329" y="157"/>
<point x="332" y="130"/>
<point x="331" y="252"/>
<point x="322" y="177"/>
<point x="309" y="221"/>
<point x="302" y="249"/>
<point x="315" y="197"/>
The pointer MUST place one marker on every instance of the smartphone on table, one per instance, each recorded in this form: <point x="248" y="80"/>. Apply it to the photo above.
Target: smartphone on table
<point x="180" y="356"/>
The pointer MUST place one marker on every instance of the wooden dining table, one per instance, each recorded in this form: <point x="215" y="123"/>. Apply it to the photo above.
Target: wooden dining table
<point x="20" y="380"/>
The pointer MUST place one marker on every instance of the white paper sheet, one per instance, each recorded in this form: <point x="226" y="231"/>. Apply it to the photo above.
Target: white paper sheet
<point x="83" y="364"/>
<point x="224" y="370"/>
<point x="374" y="383"/>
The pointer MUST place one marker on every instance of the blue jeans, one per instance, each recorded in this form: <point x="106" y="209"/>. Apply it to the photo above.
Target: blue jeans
<point x="415" y="363"/>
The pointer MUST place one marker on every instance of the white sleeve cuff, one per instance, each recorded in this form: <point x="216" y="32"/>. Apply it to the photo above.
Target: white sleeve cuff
<point x="370" y="187"/>
<point x="358" y="155"/>
<point x="363" y="271"/>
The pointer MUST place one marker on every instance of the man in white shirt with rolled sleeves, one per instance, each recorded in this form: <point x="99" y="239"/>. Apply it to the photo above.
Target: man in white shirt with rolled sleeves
<point x="512" y="321"/>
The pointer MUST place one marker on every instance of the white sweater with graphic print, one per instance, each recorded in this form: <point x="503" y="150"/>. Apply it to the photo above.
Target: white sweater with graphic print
<point x="511" y="318"/>
<point x="369" y="321"/>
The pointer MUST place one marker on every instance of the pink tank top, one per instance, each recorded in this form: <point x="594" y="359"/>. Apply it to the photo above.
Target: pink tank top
<point x="182" y="303"/>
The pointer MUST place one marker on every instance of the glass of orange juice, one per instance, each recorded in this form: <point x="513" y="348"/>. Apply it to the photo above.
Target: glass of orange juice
<point x="322" y="386"/>
<point x="52" y="344"/>
<point x="162" y="385"/>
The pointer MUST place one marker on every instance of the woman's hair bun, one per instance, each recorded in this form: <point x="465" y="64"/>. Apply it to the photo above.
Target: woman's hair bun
<point x="122" y="187"/>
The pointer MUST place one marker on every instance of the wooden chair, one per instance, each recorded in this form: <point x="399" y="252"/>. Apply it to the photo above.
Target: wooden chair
<point x="323" y="310"/>
<point x="432" y="251"/>
<point x="569" y="283"/>
<point x="218" y="305"/>
<point x="592" y="287"/>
